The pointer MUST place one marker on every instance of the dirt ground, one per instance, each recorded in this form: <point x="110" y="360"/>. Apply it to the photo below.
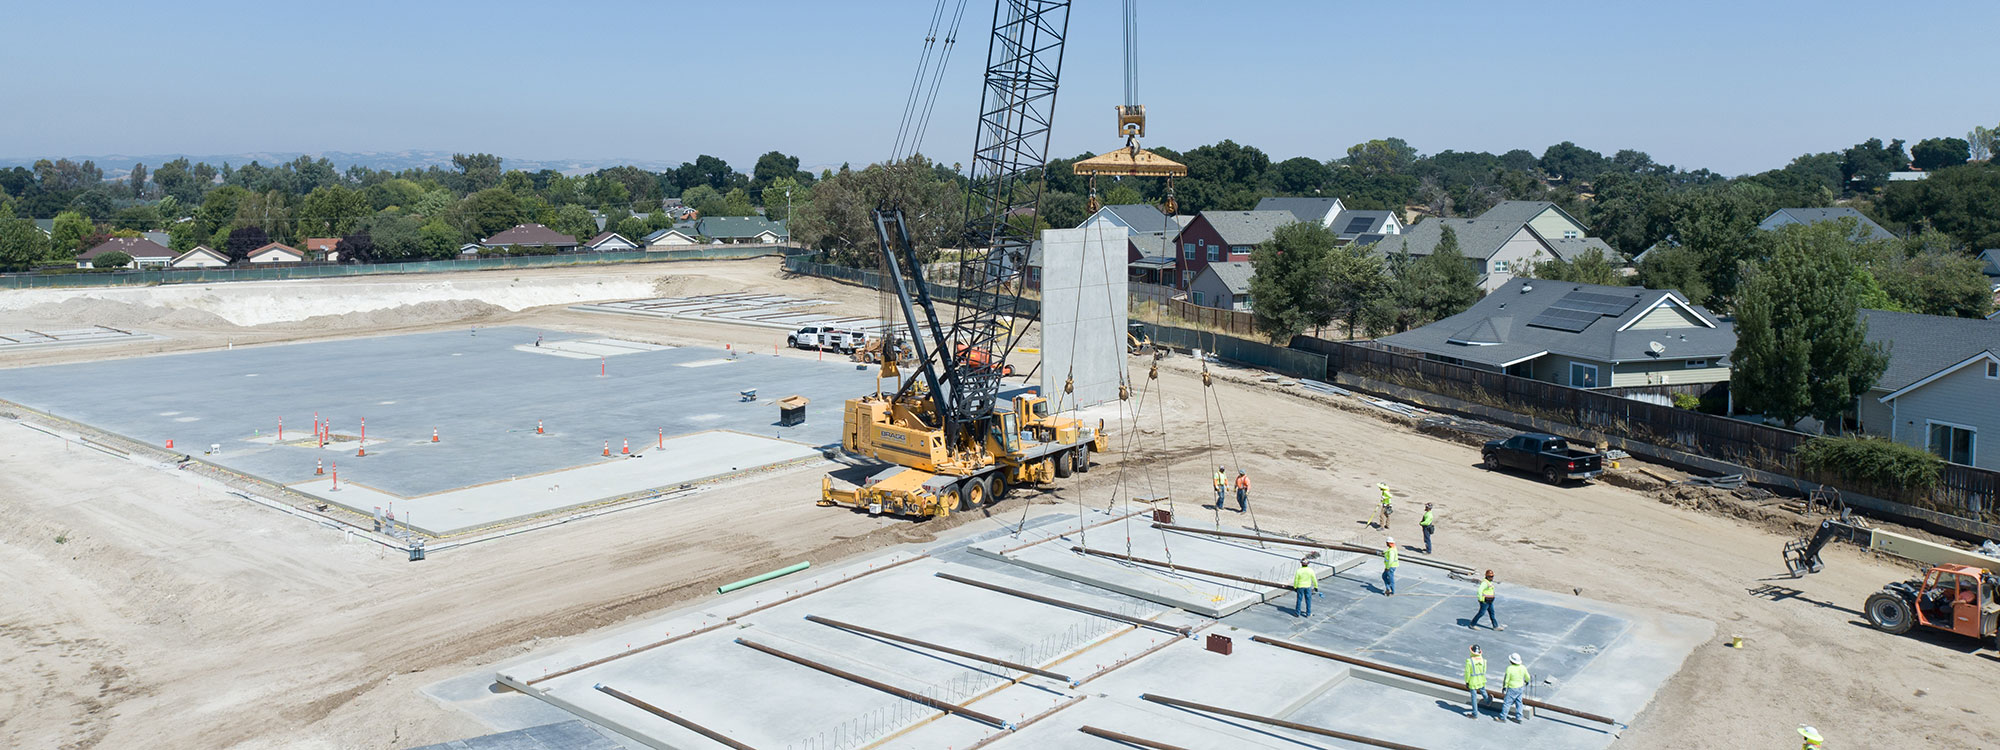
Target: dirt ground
<point x="149" y="608"/>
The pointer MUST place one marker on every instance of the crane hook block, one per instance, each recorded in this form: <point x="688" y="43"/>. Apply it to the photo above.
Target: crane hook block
<point x="1154" y="374"/>
<point x="1124" y="392"/>
<point x="1206" y="380"/>
<point x="1069" y="384"/>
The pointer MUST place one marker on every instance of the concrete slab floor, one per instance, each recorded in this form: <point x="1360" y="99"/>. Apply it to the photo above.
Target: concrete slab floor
<point x="477" y="388"/>
<point x="1584" y="654"/>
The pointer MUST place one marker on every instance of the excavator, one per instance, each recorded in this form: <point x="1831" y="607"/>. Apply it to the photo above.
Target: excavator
<point x="1959" y="592"/>
<point x="947" y="439"/>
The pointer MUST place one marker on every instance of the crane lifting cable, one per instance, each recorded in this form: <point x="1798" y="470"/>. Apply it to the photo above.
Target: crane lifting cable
<point x="1131" y="160"/>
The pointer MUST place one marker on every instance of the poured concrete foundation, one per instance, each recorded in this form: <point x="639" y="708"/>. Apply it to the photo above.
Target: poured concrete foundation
<point x="695" y="664"/>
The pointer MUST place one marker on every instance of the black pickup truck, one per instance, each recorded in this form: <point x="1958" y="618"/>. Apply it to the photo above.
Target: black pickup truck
<point x="1547" y="455"/>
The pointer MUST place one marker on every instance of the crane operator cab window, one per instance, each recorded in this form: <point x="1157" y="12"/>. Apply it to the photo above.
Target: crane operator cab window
<point x="1007" y="431"/>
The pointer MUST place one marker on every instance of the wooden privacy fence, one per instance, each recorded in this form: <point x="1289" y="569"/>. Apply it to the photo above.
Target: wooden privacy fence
<point x="1235" y="322"/>
<point x="1962" y="490"/>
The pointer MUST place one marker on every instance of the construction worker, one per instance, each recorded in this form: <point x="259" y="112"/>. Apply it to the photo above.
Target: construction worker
<point x="1475" y="679"/>
<point x="1428" y="523"/>
<point x="1388" y="507"/>
<point x="1389" y="563"/>
<point x="1513" y="686"/>
<point x="1306" y="584"/>
<point x="1812" y="738"/>
<point x="1486" y="604"/>
<point x="1242" y="492"/>
<point x="1220" y="485"/>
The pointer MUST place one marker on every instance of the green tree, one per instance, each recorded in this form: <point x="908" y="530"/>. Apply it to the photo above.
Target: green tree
<point x="1928" y="273"/>
<point x="113" y="259"/>
<point x="575" y="221"/>
<point x="437" y="240"/>
<point x="69" y="230"/>
<point x="331" y="211"/>
<point x="1570" y="162"/>
<point x="141" y="217"/>
<point x="218" y="210"/>
<point x="396" y="236"/>
<point x="840" y="218"/>
<point x="487" y="213"/>
<point x="1450" y="283"/>
<point x="777" y="205"/>
<point x="704" y="199"/>
<point x="1866" y="165"/>
<point x="1938" y="153"/>
<point x="21" y="244"/>
<point x="1286" y="289"/>
<point x="1587" y="268"/>
<point x="476" y="172"/>
<point x="1675" y="267"/>
<point x="242" y="240"/>
<point x="1801" y="347"/>
<point x="184" y="236"/>
<point x="771" y="167"/>
<point x="1381" y="156"/>
<point x="635" y="228"/>
<point x="1962" y="201"/>
<point x="1352" y="280"/>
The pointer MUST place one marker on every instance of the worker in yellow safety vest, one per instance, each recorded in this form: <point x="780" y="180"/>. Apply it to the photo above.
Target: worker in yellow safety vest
<point x="1220" y="484"/>
<point x="1475" y="679"/>
<point x="1428" y="523"/>
<point x="1389" y="563"/>
<point x="1486" y="604"/>
<point x="1812" y="738"/>
<point x="1388" y="507"/>
<point x="1513" y="687"/>
<point x="1306" y="584"/>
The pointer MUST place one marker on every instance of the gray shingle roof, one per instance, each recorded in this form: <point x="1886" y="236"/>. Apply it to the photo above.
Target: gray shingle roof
<point x="1990" y="262"/>
<point x="1306" y="209"/>
<point x="1571" y="247"/>
<point x="1496" y="331"/>
<point x="1377" y="219"/>
<point x="1155" y="243"/>
<point x="1234" y="275"/>
<point x="1365" y="240"/>
<point x="1248" y="227"/>
<point x="736" y="227"/>
<point x="1477" y="238"/>
<point x="1142" y="217"/>
<point x="530" y="234"/>
<point x="1921" y="345"/>
<point x="1519" y="212"/>
<point x="1867" y="229"/>
<point x="137" y="247"/>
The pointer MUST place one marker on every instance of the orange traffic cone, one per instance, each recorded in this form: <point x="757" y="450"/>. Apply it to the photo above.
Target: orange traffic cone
<point x="434" y="434"/>
<point x="627" y="450"/>
<point x="170" y="443"/>
<point x="538" y="427"/>
<point x="319" y="468"/>
<point x="607" y="449"/>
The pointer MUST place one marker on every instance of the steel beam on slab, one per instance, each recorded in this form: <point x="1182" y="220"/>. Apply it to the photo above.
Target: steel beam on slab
<point x="1018" y="667"/>
<point x="1309" y="543"/>
<point x="1181" y="568"/>
<point x="1126" y="738"/>
<point x="1140" y="621"/>
<point x="1421" y="677"/>
<point x="669" y="716"/>
<point x="882" y="686"/>
<point x="1276" y="722"/>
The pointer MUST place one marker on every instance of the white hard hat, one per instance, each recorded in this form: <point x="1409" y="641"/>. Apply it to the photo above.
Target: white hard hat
<point x="1514" y="658"/>
<point x="1810" y="734"/>
<point x="1391" y="540"/>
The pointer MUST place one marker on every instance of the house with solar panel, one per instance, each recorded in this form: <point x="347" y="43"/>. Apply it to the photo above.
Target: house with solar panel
<point x="1620" y="338"/>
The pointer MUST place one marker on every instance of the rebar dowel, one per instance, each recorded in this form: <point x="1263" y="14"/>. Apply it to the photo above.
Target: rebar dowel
<point x="1276" y="722"/>
<point x="1140" y="621"/>
<point x="1126" y="738"/>
<point x="939" y="647"/>
<point x="908" y="695"/>
<point x="1309" y="543"/>
<point x="669" y="716"/>
<point x="1181" y="568"/>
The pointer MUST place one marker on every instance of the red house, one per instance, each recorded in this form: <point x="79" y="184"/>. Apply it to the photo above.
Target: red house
<point x="1224" y="236"/>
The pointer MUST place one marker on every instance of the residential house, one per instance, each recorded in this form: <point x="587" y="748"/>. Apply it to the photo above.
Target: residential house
<point x="1571" y="248"/>
<point x="607" y="242"/>
<point x="670" y="238"/>
<point x="1321" y="211"/>
<point x="1941" y="390"/>
<point x="677" y="210"/>
<point x="321" y="248"/>
<point x="159" y="238"/>
<point x="1908" y="176"/>
<point x="531" y="235"/>
<point x="1865" y="228"/>
<point x="48" y="226"/>
<point x="1134" y="218"/>
<point x="733" y="230"/>
<point x="145" y="253"/>
<point x="1224" y="236"/>
<point x="1497" y="250"/>
<point x="1582" y="336"/>
<point x="199" y="257"/>
<point x="470" y="250"/>
<point x="1989" y="264"/>
<point x="274" y="253"/>
<point x="1223" y="285"/>
<point x="1548" y="219"/>
<point x="1352" y="225"/>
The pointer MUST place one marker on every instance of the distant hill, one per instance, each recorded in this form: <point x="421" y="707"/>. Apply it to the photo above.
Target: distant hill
<point x="118" y="165"/>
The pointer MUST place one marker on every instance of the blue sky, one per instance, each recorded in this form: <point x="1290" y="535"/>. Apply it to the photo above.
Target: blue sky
<point x="1737" y="87"/>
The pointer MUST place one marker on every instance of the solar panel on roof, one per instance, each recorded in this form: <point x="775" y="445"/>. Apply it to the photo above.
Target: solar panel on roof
<point x="1592" y="302"/>
<point x="1358" y="225"/>
<point x="1559" y="319"/>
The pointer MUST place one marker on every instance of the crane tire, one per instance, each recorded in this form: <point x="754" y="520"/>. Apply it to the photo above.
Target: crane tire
<point x="1890" y="613"/>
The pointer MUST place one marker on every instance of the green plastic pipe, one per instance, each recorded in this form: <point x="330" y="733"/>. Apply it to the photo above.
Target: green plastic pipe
<point x="787" y="570"/>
